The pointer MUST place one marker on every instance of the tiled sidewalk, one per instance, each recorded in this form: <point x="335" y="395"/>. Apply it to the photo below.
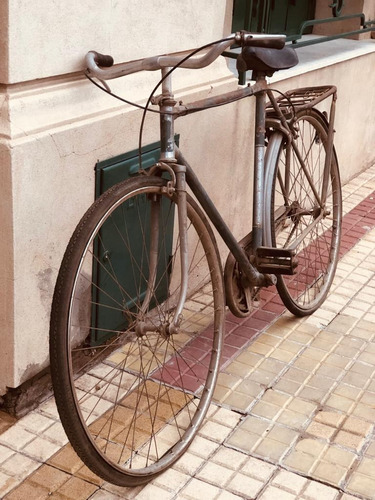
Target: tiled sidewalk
<point x="294" y="410"/>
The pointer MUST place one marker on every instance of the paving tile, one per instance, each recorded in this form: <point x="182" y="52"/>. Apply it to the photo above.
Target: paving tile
<point x="189" y="463"/>
<point x="226" y="495"/>
<point x="347" y="391"/>
<point x="76" y="489"/>
<point x="87" y="475"/>
<point x="7" y="483"/>
<point x="226" y="417"/>
<point x="6" y="421"/>
<point x="289" y="481"/>
<point x="357" y="426"/>
<point x="300" y="461"/>
<point x="215" y="474"/>
<point x="41" y="449"/>
<point x="348" y="497"/>
<point x="255" y="425"/>
<point x="266" y="410"/>
<point x="317" y="491"/>
<point x="5" y="453"/>
<point x="66" y="460"/>
<point x="206" y="491"/>
<point x="243" y="440"/>
<point x="244" y="486"/>
<point x="19" y="466"/>
<point x="361" y="485"/>
<point x="276" y="398"/>
<point x="105" y="495"/>
<point x="339" y="403"/>
<point x="271" y="449"/>
<point x="365" y="412"/>
<point x="300" y="406"/>
<point x="272" y="492"/>
<point x="293" y="419"/>
<point x="339" y="456"/>
<point x="56" y="434"/>
<point x="48" y="477"/>
<point x="319" y="430"/>
<point x="367" y="467"/>
<point x="283" y="435"/>
<point x="129" y="493"/>
<point x="203" y="447"/>
<point x="287" y="386"/>
<point x="172" y="480"/>
<point x="215" y="431"/>
<point x="35" y="422"/>
<point x="229" y="458"/>
<point x="258" y="469"/>
<point x="262" y="377"/>
<point x="16" y="437"/>
<point x="329" y="473"/>
<point x="238" y="400"/>
<point x="28" y="490"/>
<point x="313" y="447"/>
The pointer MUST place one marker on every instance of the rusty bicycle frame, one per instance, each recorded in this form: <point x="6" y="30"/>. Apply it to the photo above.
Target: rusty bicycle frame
<point x="277" y="114"/>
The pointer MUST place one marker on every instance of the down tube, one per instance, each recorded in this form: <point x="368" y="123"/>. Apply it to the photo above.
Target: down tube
<point x="252" y="274"/>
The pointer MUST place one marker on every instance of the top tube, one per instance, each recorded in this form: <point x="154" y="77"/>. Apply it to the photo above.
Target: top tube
<point x="165" y="61"/>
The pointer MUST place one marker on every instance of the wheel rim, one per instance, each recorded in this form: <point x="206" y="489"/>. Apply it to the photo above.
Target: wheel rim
<point x="141" y="395"/>
<point x="297" y="211"/>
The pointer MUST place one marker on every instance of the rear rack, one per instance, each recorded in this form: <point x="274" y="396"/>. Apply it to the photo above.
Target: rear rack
<point x="303" y="98"/>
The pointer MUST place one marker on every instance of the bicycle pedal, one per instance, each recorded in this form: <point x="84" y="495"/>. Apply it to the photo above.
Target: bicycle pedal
<point x="271" y="260"/>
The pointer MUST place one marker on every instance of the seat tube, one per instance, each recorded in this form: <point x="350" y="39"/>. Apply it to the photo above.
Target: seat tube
<point x="258" y="185"/>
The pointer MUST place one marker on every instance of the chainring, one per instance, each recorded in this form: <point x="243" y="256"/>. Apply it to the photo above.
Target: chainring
<point x="239" y="299"/>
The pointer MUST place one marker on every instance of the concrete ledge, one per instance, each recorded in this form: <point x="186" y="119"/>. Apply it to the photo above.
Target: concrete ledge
<point x="317" y="56"/>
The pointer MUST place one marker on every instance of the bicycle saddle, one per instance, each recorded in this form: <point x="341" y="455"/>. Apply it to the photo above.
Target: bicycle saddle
<point x="266" y="60"/>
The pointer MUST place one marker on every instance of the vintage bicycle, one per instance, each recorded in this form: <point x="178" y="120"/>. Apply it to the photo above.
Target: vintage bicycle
<point x="133" y="392"/>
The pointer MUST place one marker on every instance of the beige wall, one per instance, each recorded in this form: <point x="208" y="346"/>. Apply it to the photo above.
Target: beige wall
<point x="350" y="7"/>
<point x="49" y="38"/>
<point x="54" y="127"/>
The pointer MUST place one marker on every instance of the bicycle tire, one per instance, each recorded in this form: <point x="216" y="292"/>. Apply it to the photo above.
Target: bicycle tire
<point x="131" y="400"/>
<point x="290" y="208"/>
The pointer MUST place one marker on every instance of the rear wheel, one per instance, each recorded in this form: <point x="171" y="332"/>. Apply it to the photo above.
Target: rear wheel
<point x="131" y="390"/>
<point x="299" y="218"/>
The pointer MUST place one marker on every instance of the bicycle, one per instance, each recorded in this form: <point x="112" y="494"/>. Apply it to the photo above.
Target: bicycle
<point x="132" y="395"/>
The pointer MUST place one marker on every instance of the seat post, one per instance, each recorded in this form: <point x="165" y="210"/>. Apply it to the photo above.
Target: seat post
<point x="260" y="135"/>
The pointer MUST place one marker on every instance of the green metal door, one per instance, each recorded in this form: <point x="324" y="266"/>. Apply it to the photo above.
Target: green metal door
<point x="109" y="253"/>
<point x="272" y="16"/>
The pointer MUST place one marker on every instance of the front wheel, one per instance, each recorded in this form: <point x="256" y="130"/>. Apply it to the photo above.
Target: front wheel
<point x="131" y="390"/>
<point x="300" y="216"/>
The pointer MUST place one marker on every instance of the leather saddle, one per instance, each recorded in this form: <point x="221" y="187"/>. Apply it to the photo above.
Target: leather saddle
<point x="264" y="60"/>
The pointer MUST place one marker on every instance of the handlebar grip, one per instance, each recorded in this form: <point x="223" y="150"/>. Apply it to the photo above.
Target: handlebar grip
<point x="262" y="40"/>
<point x="103" y="60"/>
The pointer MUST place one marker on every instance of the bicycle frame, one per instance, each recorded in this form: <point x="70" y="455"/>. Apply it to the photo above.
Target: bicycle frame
<point x="184" y="173"/>
<point x="171" y="154"/>
<point x="171" y="158"/>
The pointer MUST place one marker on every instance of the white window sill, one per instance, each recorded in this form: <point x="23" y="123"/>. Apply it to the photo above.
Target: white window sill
<point x="320" y="55"/>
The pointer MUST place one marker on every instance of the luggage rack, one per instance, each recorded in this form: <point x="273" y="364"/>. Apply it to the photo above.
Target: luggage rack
<point x="304" y="98"/>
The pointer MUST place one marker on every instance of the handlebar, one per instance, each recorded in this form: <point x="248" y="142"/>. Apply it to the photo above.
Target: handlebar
<point x="96" y="61"/>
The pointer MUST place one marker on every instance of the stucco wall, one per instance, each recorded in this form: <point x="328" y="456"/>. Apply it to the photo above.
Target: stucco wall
<point x="55" y="126"/>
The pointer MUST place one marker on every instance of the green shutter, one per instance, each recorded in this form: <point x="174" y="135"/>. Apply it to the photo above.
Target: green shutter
<point x="109" y="173"/>
<point x="272" y="16"/>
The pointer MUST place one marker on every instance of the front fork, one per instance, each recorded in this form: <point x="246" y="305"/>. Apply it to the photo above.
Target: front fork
<point x="180" y="171"/>
<point x="178" y="186"/>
